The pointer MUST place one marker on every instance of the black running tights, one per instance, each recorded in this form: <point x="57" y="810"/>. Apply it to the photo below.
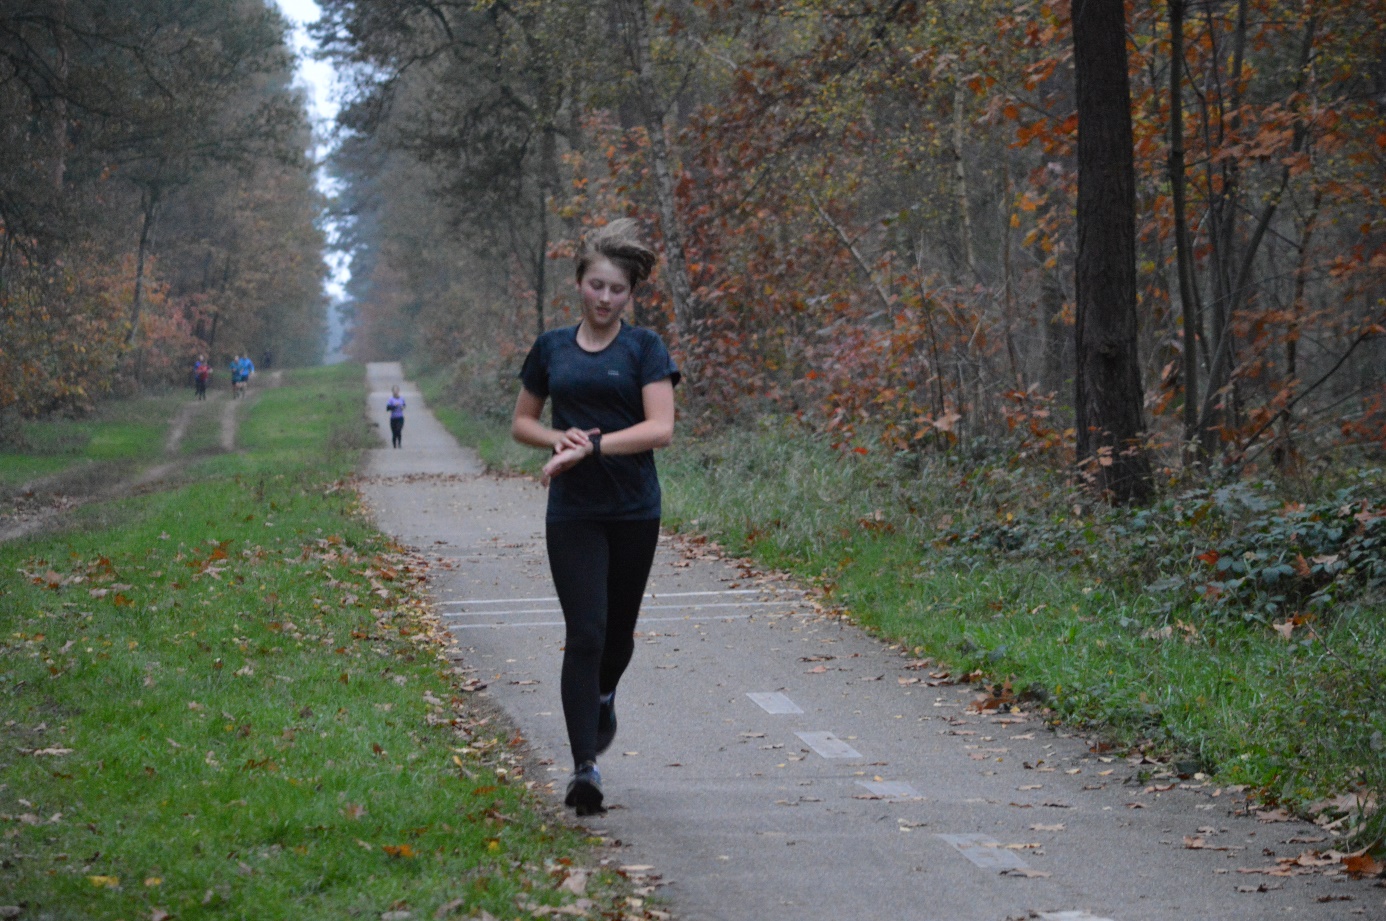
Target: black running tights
<point x="599" y="569"/>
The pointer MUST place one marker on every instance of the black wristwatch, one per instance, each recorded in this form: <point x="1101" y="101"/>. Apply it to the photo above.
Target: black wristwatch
<point x="596" y="441"/>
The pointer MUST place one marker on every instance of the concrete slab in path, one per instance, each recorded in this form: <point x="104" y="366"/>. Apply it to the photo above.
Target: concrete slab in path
<point x="773" y="764"/>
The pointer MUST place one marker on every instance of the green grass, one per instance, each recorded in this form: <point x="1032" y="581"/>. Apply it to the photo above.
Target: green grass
<point x="203" y="434"/>
<point x="992" y="569"/>
<point x="227" y="701"/>
<point x="117" y="435"/>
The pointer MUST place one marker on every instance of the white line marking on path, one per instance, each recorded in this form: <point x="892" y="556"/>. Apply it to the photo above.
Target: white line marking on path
<point x="644" y="620"/>
<point x="774" y="702"/>
<point x="985" y="852"/>
<point x="647" y="607"/>
<point x="828" y="745"/>
<point x="891" y="789"/>
<point x="651" y="595"/>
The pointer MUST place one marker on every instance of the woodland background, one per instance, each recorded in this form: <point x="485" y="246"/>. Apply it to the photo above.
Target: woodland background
<point x="867" y="209"/>
<point x="156" y="199"/>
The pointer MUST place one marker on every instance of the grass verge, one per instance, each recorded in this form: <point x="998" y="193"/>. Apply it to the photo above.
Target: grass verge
<point x="227" y="701"/>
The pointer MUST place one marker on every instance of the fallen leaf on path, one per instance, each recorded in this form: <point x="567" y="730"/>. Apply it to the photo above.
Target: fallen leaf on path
<point x="1057" y="827"/>
<point x="1264" y="887"/>
<point x="1026" y="873"/>
<point x="1197" y="843"/>
<point x="1363" y="865"/>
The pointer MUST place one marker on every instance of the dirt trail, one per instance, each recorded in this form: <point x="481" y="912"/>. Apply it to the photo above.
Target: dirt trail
<point x="43" y="502"/>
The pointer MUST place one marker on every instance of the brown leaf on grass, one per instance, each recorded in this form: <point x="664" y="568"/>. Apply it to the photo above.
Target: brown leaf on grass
<point x="399" y="850"/>
<point x="353" y="811"/>
<point x="575" y="882"/>
<point x="159" y="914"/>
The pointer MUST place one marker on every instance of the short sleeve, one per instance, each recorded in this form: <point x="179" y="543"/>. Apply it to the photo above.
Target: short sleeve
<point x="534" y="374"/>
<point x="656" y="363"/>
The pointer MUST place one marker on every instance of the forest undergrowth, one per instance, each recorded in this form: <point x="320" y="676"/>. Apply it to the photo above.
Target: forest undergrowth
<point x="1235" y="630"/>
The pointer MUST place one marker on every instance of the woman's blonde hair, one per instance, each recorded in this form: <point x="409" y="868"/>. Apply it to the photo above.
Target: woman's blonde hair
<point x="620" y="242"/>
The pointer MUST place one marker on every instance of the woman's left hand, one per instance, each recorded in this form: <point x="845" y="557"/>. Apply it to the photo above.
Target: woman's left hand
<point x="566" y="459"/>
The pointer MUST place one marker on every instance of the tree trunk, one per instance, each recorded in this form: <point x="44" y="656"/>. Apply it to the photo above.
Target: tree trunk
<point x="1188" y="302"/>
<point x="634" y="16"/>
<point x="1056" y="338"/>
<point x="1110" y="424"/>
<point x="151" y="203"/>
<point x="960" y="184"/>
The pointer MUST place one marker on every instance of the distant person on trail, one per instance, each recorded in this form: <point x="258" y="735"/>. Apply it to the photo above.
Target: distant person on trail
<point x="237" y="383"/>
<point x="395" y="406"/>
<point x="202" y="372"/>
<point x="245" y="368"/>
<point x="612" y="387"/>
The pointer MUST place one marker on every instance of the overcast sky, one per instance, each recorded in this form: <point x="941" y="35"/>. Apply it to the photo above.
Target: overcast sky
<point x="319" y="79"/>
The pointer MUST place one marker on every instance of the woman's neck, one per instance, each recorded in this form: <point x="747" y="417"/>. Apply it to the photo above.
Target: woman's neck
<point x="594" y="341"/>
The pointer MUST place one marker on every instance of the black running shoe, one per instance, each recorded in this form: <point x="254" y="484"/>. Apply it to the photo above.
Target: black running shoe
<point x="585" y="790"/>
<point x="606" y="724"/>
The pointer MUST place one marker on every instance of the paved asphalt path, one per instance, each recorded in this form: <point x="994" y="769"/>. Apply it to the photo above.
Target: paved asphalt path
<point x="774" y="764"/>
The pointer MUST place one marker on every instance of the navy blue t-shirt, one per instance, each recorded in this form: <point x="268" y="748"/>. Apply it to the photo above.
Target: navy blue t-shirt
<point x="600" y="390"/>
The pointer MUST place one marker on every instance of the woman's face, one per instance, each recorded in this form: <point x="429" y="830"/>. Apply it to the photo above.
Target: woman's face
<point x="605" y="294"/>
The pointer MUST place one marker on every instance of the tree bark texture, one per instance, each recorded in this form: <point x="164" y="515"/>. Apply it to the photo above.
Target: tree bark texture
<point x="1188" y="297"/>
<point x="1110" y="423"/>
<point x="151" y="203"/>
<point x="635" y="17"/>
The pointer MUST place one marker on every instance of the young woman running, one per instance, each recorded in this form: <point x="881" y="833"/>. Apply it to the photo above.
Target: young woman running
<point x="395" y="407"/>
<point x="612" y="387"/>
